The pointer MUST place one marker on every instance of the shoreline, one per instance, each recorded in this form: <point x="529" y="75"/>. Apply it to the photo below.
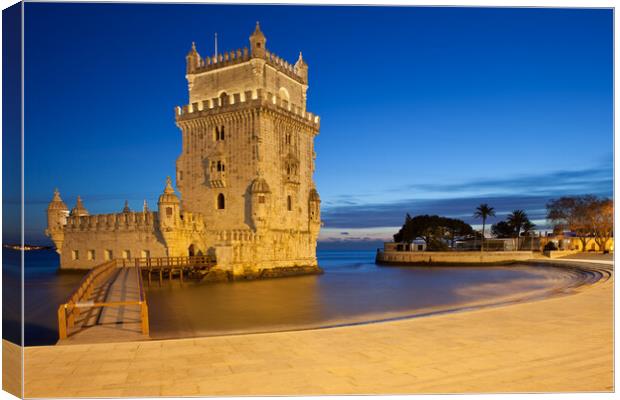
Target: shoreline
<point x="538" y="346"/>
<point x="584" y="277"/>
<point x="564" y="289"/>
<point x="527" y="351"/>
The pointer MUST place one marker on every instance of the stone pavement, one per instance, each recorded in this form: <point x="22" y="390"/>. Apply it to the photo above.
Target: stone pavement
<point x="558" y="344"/>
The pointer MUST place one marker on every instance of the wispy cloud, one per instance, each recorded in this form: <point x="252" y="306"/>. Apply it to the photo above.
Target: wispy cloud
<point x="530" y="193"/>
<point x="592" y="180"/>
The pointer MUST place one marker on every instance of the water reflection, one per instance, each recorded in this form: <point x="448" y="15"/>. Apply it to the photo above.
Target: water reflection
<point x="353" y="289"/>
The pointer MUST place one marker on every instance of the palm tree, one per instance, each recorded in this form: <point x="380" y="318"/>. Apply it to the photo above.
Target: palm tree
<point x="518" y="218"/>
<point x="484" y="211"/>
<point x="528" y="228"/>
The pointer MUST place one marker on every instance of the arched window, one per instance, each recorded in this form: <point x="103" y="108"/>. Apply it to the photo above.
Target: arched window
<point x="289" y="203"/>
<point x="222" y="132"/>
<point x="221" y="202"/>
<point x="223" y="99"/>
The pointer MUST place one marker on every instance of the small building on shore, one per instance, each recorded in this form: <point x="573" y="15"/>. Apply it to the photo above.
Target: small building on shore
<point x="416" y="245"/>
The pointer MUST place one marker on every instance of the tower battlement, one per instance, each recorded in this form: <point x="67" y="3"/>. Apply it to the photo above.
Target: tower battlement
<point x="247" y="99"/>
<point x="129" y="221"/>
<point x="239" y="56"/>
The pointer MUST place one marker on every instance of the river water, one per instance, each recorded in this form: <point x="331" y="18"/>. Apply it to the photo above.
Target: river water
<point x="352" y="290"/>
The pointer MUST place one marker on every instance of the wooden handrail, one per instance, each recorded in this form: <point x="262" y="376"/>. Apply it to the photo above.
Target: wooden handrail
<point x="89" y="277"/>
<point x="69" y="311"/>
<point x="178" y="261"/>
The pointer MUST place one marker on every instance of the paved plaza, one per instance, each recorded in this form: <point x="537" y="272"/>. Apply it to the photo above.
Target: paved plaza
<point x="563" y="343"/>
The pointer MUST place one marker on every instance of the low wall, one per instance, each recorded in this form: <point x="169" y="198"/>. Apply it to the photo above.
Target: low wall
<point x="451" y="257"/>
<point x="560" y="253"/>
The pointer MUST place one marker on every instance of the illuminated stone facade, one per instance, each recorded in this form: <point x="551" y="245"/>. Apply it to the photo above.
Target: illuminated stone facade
<point x="247" y="194"/>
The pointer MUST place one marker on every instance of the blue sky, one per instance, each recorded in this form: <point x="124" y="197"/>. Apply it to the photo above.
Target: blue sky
<point x="423" y="110"/>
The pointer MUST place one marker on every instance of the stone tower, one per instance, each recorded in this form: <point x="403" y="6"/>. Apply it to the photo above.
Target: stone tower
<point x="248" y="157"/>
<point x="57" y="213"/>
<point x="244" y="177"/>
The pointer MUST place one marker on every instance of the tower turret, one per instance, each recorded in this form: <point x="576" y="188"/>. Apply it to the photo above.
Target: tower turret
<point x="126" y="209"/>
<point x="193" y="59"/>
<point x="169" y="213"/>
<point x="314" y="211"/>
<point x="57" y="212"/>
<point x="169" y="207"/>
<point x="301" y="69"/>
<point x="260" y="206"/>
<point x="79" y="210"/>
<point x="258" y="42"/>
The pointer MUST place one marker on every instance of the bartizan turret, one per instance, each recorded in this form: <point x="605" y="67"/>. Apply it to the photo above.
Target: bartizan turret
<point x="314" y="212"/>
<point x="79" y="210"/>
<point x="57" y="213"/>
<point x="193" y="59"/>
<point x="169" y="207"/>
<point x="260" y="203"/>
<point x="301" y="69"/>
<point x="258" y="41"/>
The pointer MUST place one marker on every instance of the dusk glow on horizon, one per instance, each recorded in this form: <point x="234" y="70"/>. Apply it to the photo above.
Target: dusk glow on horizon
<point x="423" y="110"/>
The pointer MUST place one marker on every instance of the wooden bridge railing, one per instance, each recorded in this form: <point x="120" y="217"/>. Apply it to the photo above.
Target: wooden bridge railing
<point x="69" y="311"/>
<point x="169" y="262"/>
<point x="80" y="298"/>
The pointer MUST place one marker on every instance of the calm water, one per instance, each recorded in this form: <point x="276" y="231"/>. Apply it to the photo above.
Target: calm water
<point x="353" y="289"/>
<point x="44" y="289"/>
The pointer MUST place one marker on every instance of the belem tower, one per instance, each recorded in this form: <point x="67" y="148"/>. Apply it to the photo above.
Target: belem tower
<point x="246" y="193"/>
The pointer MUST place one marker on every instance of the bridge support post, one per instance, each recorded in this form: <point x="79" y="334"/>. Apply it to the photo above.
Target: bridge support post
<point x="144" y="314"/>
<point x="62" y="323"/>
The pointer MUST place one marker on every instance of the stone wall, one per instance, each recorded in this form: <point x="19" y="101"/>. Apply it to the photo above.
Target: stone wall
<point x="451" y="257"/>
<point x="560" y="253"/>
<point x="135" y="242"/>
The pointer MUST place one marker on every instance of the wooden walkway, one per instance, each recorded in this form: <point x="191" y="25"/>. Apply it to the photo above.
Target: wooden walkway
<point x="110" y="304"/>
<point x="111" y="313"/>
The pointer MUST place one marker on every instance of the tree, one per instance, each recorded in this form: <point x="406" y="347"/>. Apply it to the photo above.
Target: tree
<point x="571" y="213"/>
<point x="601" y="218"/>
<point x="454" y="228"/>
<point x="502" y="229"/>
<point x="528" y="231"/>
<point x="587" y="216"/>
<point x="484" y="211"/>
<point x="527" y="227"/>
<point x="517" y="219"/>
<point x="403" y="234"/>
<point x="433" y="229"/>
